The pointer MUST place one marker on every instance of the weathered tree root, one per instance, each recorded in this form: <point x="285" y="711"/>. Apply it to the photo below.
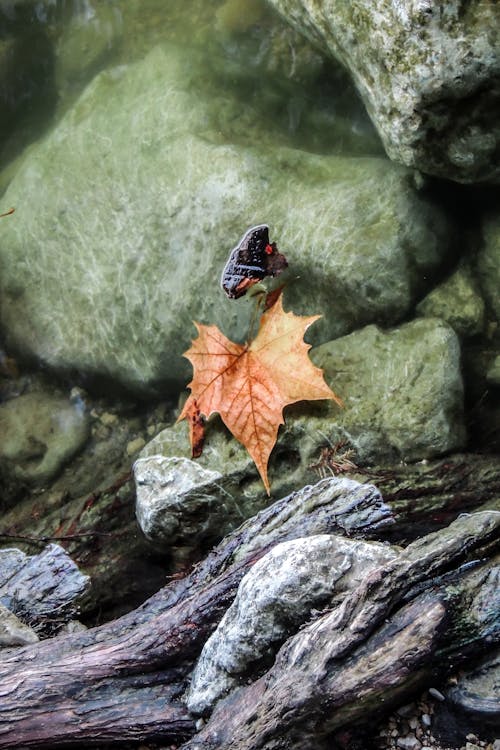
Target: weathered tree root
<point x="374" y="648"/>
<point x="124" y="680"/>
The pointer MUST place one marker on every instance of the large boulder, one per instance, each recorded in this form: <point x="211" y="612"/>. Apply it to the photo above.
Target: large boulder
<point x="429" y="73"/>
<point x="126" y="212"/>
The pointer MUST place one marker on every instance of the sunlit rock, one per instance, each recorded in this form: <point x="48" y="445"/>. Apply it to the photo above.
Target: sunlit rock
<point x="428" y="72"/>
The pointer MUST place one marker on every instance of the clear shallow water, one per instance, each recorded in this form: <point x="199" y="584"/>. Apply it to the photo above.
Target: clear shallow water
<point x="285" y="90"/>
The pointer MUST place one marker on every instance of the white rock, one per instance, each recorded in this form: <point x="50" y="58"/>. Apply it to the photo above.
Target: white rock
<point x="164" y="486"/>
<point x="274" y="597"/>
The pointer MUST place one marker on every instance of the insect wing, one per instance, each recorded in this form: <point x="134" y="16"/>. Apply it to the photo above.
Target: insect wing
<point x="247" y="262"/>
<point x="250" y="261"/>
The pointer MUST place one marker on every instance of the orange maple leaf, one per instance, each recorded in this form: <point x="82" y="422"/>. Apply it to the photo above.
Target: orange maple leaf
<point x="249" y="385"/>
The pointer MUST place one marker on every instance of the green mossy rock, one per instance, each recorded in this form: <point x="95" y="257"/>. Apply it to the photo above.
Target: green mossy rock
<point x="126" y="213"/>
<point x="458" y="302"/>
<point x="428" y="72"/>
<point x="402" y="390"/>
<point x="39" y="433"/>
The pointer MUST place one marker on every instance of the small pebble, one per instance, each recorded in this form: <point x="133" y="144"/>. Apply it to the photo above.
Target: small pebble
<point x="496" y="745"/>
<point x="77" y="395"/>
<point x="135" y="446"/>
<point x="472" y="746"/>
<point x="100" y="432"/>
<point x="426" y="720"/>
<point x="436" y="694"/>
<point x="409" y="742"/>
<point x="471" y="737"/>
<point x="413" y="722"/>
<point x="108" y="419"/>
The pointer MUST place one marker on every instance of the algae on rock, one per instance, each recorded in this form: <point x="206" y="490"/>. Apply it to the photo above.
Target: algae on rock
<point x="428" y="72"/>
<point x="132" y="203"/>
<point x="458" y="302"/>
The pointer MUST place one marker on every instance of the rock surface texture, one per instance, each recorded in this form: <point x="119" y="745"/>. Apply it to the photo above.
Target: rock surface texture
<point x="458" y="302"/>
<point x="402" y="388"/>
<point x="489" y="263"/>
<point x="428" y="71"/>
<point x="40" y="433"/>
<point x="106" y="275"/>
<point x="280" y="590"/>
<point x="403" y="397"/>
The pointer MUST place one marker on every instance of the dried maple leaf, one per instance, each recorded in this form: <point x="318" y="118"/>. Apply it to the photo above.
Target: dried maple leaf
<point x="196" y="428"/>
<point x="249" y="385"/>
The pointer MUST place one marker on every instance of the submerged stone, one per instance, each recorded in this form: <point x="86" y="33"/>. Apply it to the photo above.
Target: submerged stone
<point x="13" y="632"/>
<point x="132" y="203"/>
<point x="402" y="390"/>
<point x="40" y="434"/>
<point x="428" y="73"/>
<point x="493" y="373"/>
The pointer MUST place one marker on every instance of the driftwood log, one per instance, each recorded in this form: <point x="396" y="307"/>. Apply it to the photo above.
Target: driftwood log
<point x="100" y="533"/>
<point x="411" y="620"/>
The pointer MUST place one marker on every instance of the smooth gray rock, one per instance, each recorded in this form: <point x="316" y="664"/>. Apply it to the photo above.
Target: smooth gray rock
<point x="172" y="495"/>
<point x="132" y="203"/>
<point x="276" y="595"/>
<point x="13" y="632"/>
<point x="39" y="433"/>
<point x="428" y="72"/>
<point x="40" y="585"/>
<point x="458" y="302"/>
